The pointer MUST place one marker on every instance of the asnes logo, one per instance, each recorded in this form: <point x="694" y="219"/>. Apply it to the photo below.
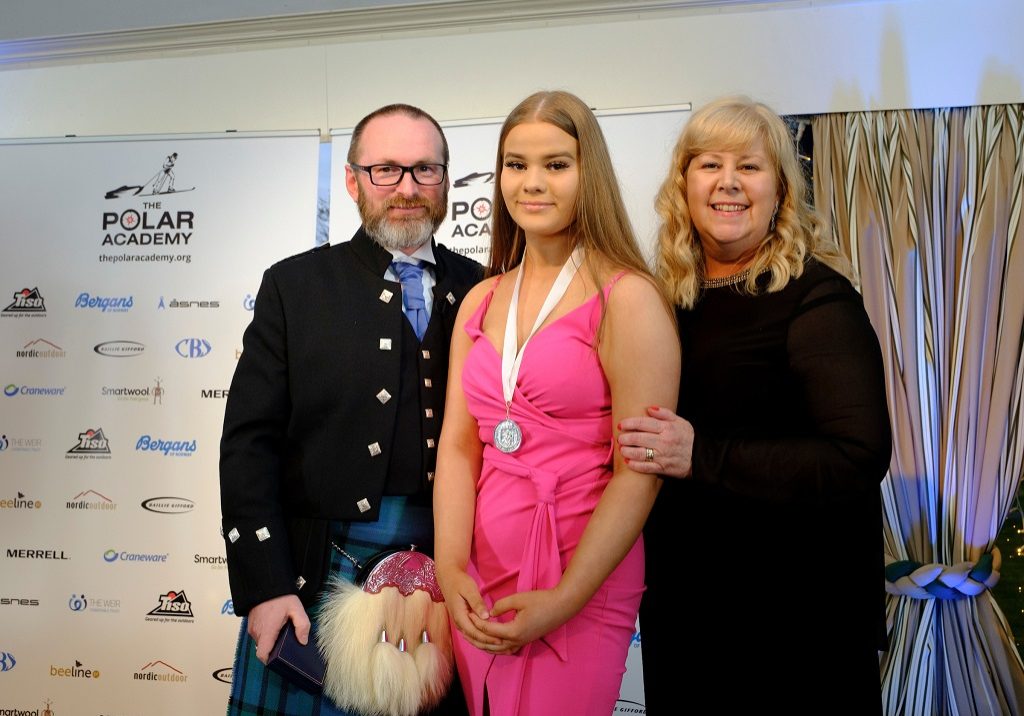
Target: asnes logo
<point x="27" y="302"/>
<point x="193" y="348"/>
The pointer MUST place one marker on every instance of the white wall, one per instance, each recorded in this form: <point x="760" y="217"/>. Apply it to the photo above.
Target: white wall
<point x="804" y="58"/>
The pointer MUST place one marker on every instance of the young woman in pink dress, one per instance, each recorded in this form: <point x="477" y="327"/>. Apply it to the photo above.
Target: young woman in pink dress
<point x="537" y="517"/>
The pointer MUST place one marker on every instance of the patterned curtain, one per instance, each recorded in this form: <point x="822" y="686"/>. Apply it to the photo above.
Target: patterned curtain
<point x="928" y="206"/>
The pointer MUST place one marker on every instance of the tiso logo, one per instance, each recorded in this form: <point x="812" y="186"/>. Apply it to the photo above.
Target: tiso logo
<point x="168" y="505"/>
<point x="119" y="349"/>
<point x="27" y="302"/>
<point x="173" y="606"/>
<point x="160" y="672"/>
<point x="91" y="444"/>
<point x="193" y="348"/>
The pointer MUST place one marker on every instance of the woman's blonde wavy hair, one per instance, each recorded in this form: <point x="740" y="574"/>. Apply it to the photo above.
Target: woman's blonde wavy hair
<point x="733" y="124"/>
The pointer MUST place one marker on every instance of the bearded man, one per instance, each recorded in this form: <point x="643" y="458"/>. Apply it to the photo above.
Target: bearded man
<point x="334" y="413"/>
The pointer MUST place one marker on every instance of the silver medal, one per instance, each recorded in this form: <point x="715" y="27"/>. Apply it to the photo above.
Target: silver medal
<point x="507" y="436"/>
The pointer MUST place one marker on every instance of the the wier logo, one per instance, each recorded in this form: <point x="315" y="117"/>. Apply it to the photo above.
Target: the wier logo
<point x="91" y="444"/>
<point x="27" y="302"/>
<point x="16" y="444"/>
<point x="168" y="505"/>
<point x="173" y="606"/>
<point x="107" y="605"/>
<point x="91" y="500"/>
<point x="20" y="503"/>
<point x="160" y="672"/>
<point x="119" y="349"/>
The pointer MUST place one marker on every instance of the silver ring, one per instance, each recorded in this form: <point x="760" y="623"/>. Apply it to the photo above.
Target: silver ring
<point x="649" y="454"/>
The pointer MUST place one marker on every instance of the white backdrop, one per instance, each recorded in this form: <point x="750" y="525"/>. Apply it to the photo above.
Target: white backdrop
<point x="120" y="328"/>
<point x="640" y="142"/>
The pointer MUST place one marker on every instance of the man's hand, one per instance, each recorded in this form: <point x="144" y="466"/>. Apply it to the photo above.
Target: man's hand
<point x="267" y="619"/>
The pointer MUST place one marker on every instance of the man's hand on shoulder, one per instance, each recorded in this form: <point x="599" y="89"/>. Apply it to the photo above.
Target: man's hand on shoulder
<point x="267" y="619"/>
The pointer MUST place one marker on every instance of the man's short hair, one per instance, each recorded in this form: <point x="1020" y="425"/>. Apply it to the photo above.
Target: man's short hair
<point x="406" y="109"/>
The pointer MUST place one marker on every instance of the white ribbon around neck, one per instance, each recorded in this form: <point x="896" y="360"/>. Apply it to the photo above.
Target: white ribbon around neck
<point x="511" y="360"/>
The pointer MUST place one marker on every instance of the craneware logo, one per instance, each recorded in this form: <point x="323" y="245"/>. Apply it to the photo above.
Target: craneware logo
<point x="91" y="444"/>
<point x="160" y="672"/>
<point x="171" y="607"/>
<point x="113" y="555"/>
<point x="20" y="503"/>
<point x="91" y="500"/>
<point x="27" y="302"/>
<point x="224" y="675"/>
<point x="34" y="391"/>
<point x="168" y="505"/>
<point x="119" y="349"/>
<point x="40" y="348"/>
<point x="78" y="671"/>
<point x="193" y="348"/>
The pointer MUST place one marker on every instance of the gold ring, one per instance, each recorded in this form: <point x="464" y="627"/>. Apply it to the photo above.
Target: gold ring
<point x="649" y="454"/>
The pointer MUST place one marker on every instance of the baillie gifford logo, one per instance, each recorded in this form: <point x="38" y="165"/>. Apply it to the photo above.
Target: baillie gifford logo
<point x="91" y="444"/>
<point x="27" y="302"/>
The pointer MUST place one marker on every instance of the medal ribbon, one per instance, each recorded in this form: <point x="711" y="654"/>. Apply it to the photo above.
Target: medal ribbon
<point x="512" y="360"/>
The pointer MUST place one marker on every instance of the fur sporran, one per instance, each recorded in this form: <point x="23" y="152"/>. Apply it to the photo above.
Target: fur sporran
<point x="385" y="639"/>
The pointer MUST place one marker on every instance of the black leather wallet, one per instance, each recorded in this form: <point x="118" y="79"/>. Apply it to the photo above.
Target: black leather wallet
<point x="301" y="665"/>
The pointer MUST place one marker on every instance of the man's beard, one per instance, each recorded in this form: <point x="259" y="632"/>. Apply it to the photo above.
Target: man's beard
<point x="401" y="234"/>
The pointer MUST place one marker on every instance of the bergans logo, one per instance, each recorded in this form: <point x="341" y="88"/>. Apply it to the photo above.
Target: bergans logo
<point x="91" y="444"/>
<point x="160" y="672"/>
<point x="168" y="505"/>
<point x="171" y="607"/>
<point x="175" y="448"/>
<point x="119" y="349"/>
<point x="105" y="304"/>
<point x="27" y="302"/>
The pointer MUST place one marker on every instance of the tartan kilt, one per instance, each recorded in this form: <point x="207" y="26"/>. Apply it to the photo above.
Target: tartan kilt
<point x="258" y="691"/>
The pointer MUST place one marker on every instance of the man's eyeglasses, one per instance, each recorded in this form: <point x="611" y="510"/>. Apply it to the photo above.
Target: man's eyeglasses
<point x="391" y="174"/>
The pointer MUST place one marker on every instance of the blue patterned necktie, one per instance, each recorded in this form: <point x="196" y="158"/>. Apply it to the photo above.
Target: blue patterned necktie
<point x="411" y="276"/>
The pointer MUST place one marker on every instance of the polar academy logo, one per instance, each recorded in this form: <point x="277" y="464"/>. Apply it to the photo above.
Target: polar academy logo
<point x="157" y="185"/>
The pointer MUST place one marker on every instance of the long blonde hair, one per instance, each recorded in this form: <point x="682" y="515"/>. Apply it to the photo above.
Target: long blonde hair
<point x="600" y="224"/>
<point x="734" y="124"/>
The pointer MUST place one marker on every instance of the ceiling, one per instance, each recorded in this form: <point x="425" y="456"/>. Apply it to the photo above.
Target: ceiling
<point x="35" y="32"/>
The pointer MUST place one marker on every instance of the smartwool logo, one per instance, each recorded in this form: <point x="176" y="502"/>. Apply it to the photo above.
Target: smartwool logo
<point x="171" y="607"/>
<point x="91" y="444"/>
<point x="105" y="304"/>
<point x="27" y="302"/>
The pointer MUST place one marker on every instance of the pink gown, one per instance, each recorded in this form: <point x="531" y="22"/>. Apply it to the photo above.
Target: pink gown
<point x="532" y="507"/>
